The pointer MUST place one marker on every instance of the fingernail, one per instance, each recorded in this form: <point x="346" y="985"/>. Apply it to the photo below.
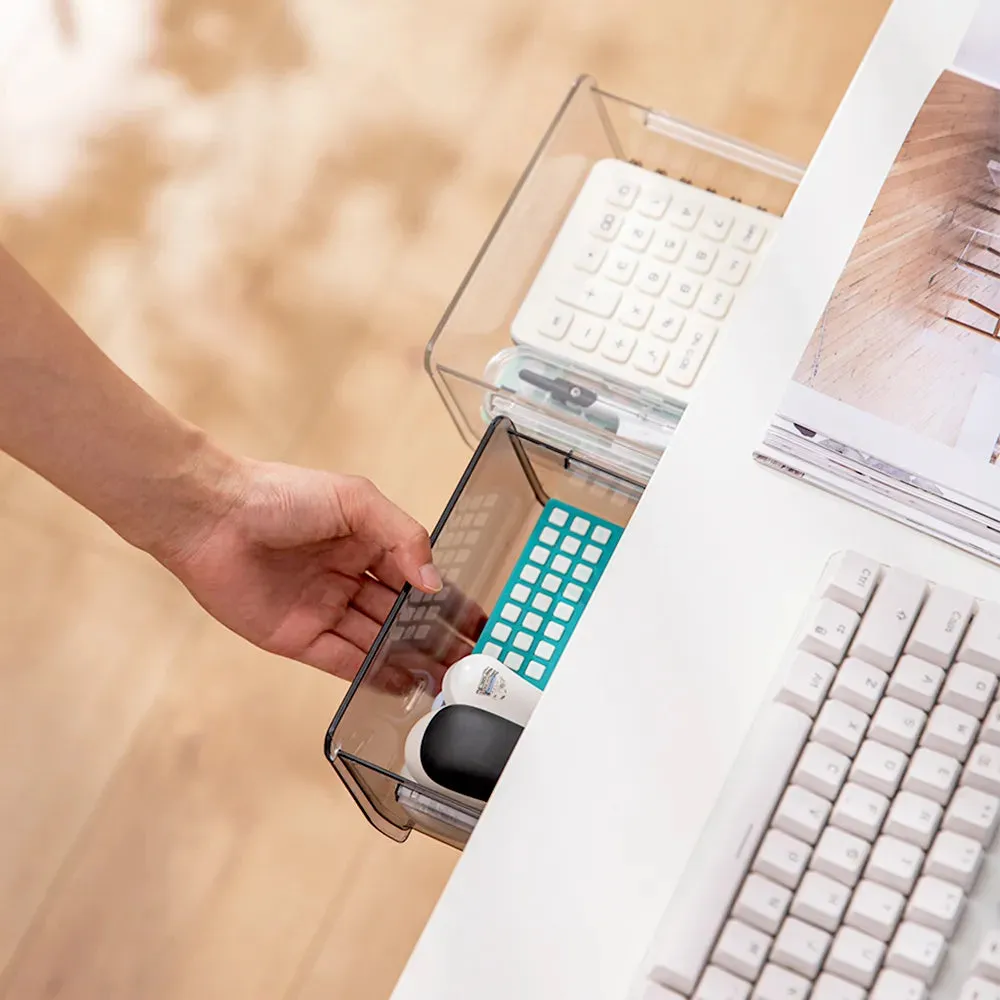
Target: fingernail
<point x="431" y="578"/>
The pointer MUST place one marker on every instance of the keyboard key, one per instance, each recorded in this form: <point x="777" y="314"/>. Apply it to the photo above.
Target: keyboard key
<point x="875" y="909"/>
<point x="560" y="564"/>
<point x="668" y="246"/>
<point x="933" y="775"/>
<point x="914" y="819"/>
<point x="716" y="300"/>
<point x="591" y="258"/>
<point x="542" y="602"/>
<point x="974" y="814"/>
<point x="619" y="346"/>
<point x="748" y="236"/>
<point x="595" y="297"/>
<point x="855" y="956"/>
<point x="782" y="858"/>
<point x="821" y="770"/>
<point x="684" y="213"/>
<point x="510" y="612"/>
<point x="563" y="611"/>
<point x="969" y="689"/>
<point x="850" y="580"/>
<point x="667" y="323"/>
<point x="535" y="670"/>
<point x="763" y="903"/>
<point x="840" y="727"/>
<point x="800" y="947"/>
<point x="582" y="573"/>
<point x="686" y="360"/>
<point x="941" y="625"/>
<point x="893" y="985"/>
<point x="601" y="535"/>
<point x="716" y="225"/>
<point x="540" y="554"/>
<point x="806" y="683"/>
<point x="492" y="649"/>
<point x="653" y="205"/>
<point x="532" y="622"/>
<point x="897" y="724"/>
<point x="981" y="647"/>
<point x="570" y="545"/>
<point x="741" y="950"/>
<point x="732" y="268"/>
<point x="717" y="984"/>
<point x="802" y="814"/>
<point x="556" y="322"/>
<point x="551" y="583"/>
<point x="859" y="684"/>
<point x="983" y="769"/>
<point x="523" y="641"/>
<point x="950" y="731"/>
<point x="621" y="266"/>
<point x="580" y="526"/>
<point x="916" y="682"/>
<point x="591" y="554"/>
<point x="879" y="767"/>
<point x="860" y="811"/>
<point x="684" y="291"/>
<point x="987" y="962"/>
<point x="829" y="630"/>
<point x="652" y="279"/>
<point x="520" y="593"/>
<point x="830" y="987"/>
<point x="501" y="632"/>
<point x="607" y="225"/>
<point x="637" y="235"/>
<point x="937" y="904"/>
<point x="895" y="863"/>
<point x="624" y="194"/>
<point x="651" y="357"/>
<point x="821" y="901"/>
<point x="572" y="592"/>
<point x="840" y="855"/>
<point x="513" y="660"/>
<point x="700" y="256"/>
<point x="990" y="731"/>
<point x="553" y="631"/>
<point x="889" y="618"/>
<point x="558" y="516"/>
<point x="776" y="983"/>
<point x="979" y="989"/>
<point x="955" y="858"/>
<point x="917" y="951"/>
<point x="544" y="650"/>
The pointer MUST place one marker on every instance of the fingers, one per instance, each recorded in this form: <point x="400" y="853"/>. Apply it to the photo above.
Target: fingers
<point x="334" y="654"/>
<point x="373" y="517"/>
<point x="374" y="599"/>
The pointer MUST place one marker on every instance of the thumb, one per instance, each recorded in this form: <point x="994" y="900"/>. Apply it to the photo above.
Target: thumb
<point x="372" y="517"/>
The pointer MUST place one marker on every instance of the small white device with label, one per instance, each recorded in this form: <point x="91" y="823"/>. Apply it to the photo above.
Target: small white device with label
<point x="642" y="277"/>
<point x="484" y="682"/>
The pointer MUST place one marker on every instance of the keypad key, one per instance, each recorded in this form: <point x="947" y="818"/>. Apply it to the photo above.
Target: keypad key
<point x="684" y="213"/>
<point x="748" y="236"/>
<point x="556" y="322"/>
<point x="653" y="204"/>
<point x="651" y="357"/>
<point x="619" y="346"/>
<point x="621" y="266"/>
<point x="607" y="225"/>
<point x="591" y="258"/>
<point x="700" y="256"/>
<point x="684" y="291"/>
<point x="624" y="194"/>
<point x="689" y="355"/>
<point x="668" y="246"/>
<point x="716" y="300"/>
<point x="732" y="267"/>
<point x="587" y="334"/>
<point x="652" y="279"/>
<point x="596" y="297"/>
<point x="667" y="323"/>
<point x="636" y="235"/>
<point x="716" y="225"/>
<point x="635" y="312"/>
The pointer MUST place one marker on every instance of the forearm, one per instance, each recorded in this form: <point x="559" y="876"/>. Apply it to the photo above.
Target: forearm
<point x="70" y="414"/>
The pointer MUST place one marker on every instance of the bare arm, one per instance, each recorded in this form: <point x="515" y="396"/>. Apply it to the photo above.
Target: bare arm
<point x="282" y="555"/>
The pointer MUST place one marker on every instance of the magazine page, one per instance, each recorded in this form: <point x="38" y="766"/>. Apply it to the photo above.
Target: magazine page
<point x="900" y="382"/>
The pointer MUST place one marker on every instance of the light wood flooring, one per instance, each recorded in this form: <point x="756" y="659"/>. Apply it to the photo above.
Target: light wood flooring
<point x="260" y="210"/>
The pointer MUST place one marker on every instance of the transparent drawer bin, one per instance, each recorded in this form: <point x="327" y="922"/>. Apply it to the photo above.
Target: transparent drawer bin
<point x="476" y="545"/>
<point x="472" y="358"/>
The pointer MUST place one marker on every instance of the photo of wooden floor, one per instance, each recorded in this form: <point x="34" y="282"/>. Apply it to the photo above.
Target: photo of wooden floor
<point x="910" y="332"/>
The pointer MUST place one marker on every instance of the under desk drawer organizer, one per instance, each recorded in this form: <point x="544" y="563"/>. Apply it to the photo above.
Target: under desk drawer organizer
<point x="511" y="480"/>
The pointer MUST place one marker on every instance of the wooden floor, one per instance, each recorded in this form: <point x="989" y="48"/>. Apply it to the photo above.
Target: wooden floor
<point x="886" y="344"/>
<point x="260" y="209"/>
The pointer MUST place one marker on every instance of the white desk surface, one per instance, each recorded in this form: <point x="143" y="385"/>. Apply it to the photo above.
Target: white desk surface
<point x="565" y="878"/>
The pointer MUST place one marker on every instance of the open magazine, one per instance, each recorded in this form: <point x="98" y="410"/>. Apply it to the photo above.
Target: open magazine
<point x="896" y="401"/>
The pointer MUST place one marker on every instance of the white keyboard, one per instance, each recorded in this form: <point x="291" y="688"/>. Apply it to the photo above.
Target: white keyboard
<point x="641" y="277"/>
<point x="851" y="855"/>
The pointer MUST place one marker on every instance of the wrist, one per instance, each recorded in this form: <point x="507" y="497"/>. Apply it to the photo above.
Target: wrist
<point x="183" y="502"/>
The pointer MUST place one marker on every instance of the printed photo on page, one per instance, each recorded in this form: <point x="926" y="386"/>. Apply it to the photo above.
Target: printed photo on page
<point x="897" y="396"/>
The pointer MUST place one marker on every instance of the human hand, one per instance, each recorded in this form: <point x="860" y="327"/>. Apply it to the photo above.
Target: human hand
<point x="303" y="563"/>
